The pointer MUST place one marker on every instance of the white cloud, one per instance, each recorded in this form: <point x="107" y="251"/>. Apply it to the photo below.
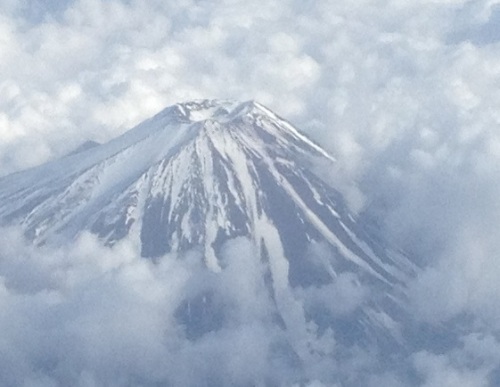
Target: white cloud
<point x="437" y="371"/>
<point x="463" y="281"/>
<point x="90" y="315"/>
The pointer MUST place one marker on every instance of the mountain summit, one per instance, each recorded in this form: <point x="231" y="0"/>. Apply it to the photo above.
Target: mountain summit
<point x="199" y="174"/>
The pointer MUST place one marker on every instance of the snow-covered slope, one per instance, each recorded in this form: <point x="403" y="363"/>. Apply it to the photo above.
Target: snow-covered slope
<point x="201" y="173"/>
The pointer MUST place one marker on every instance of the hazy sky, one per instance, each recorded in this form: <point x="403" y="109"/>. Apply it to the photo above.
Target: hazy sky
<point x="406" y="94"/>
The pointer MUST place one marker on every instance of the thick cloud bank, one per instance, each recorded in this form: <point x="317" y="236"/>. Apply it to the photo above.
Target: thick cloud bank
<point x="93" y="316"/>
<point x="89" y="315"/>
<point x="405" y="94"/>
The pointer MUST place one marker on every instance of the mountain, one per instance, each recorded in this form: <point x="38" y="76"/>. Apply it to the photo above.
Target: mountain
<point x="202" y="173"/>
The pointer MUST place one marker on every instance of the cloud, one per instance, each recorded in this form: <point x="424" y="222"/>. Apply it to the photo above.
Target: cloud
<point x="463" y="281"/>
<point x="90" y="315"/>
<point x="437" y="371"/>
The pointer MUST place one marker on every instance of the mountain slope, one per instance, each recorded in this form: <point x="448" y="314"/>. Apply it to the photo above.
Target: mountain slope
<point x="200" y="174"/>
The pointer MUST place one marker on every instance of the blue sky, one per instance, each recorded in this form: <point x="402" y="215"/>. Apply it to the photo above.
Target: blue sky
<point x="405" y="94"/>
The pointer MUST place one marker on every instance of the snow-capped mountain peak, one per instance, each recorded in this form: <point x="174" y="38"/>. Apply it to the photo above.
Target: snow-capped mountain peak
<point x="197" y="175"/>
